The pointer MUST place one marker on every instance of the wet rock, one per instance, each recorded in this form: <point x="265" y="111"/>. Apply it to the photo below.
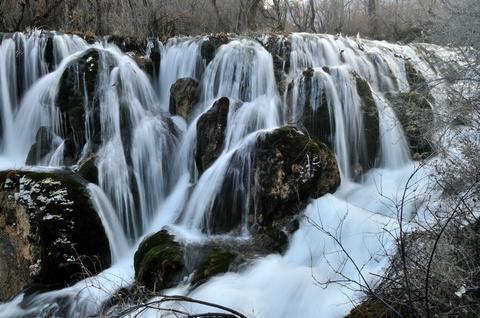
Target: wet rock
<point x="44" y="144"/>
<point x="209" y="46"/>
<point x="155" y="56"/>
<point x="282" y="171"/>
<point x="288" y="169"/>
<point x="88" y="169"/>
<point x="316" y="119"/>
<point x="211" y="133"/>
<point x="81" y="73"/>
<point x="145" y="64"/>
<point x="415" y="113"/>
<point x="216" y="261"/>
<point x="159" y="261"/>
<point x="50" y="234"/>
<point x="280" y="48"/>
<point x="184" y="94"/>
<point x="49" y="54"/>
<point x="371" y="124"/>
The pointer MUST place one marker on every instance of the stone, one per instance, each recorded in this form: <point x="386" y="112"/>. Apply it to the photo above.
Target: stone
<point x="211" y="134"/>
<point x="184" y="94"/>
<point x="50" y="234"/>
<point x="159" y="261"/>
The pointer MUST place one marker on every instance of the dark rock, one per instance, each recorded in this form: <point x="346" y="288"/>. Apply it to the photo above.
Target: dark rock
<point x="49" y="54"/>
<point x="50" y="233"/>
<point x="211" y="133"/>
<point x="159" y="261"/>
<point x="371" y="124"/>
<point x="155" y="56"/>
<point x="280" y="48"/>
<point x="83" y="72"/>
<point x="42" y="147"/>
<point x="145" y="64"/>
<point x="210" y="46"/>
<point x="88" y="169"/>
<point x="217" y="261"/>
<point x="316" y="119"/>
<point x="284" y="169"/>
<point x="184" y="94"/>
<point x="288" y="169"/>
<point x="415" y="113"/>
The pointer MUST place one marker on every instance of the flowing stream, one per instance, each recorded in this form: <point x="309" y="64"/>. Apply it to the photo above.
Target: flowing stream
<point x="158" y="160"/>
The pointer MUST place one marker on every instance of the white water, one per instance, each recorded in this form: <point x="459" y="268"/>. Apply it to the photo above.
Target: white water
<point x="161" y="165"/>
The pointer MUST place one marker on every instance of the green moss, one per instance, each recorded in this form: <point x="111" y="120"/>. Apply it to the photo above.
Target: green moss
<point x="414" y="78"/>
<point x="158" y="261"/>
<point x="217" y="261"/>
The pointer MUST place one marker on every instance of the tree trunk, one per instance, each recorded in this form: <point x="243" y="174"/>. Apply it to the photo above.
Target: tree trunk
<point x="372" y="18"/>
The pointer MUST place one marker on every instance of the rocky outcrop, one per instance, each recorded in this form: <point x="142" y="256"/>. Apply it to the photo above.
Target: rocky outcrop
<point x="217" y="261"/>
<point x="184" y="94"/>
<point x="211" y="134"/>
<point x="286" y="168"/>
<point x="159" y="261"/>
<point x="50" y="234"/>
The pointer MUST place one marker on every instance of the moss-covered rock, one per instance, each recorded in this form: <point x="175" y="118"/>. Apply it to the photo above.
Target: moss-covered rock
<point x="415" y="113"/>
<point x="211" y="134"/>
<point x="184" y="94"/>
<point x="414" y="77"/>
<point x="50" y="233"/>
<point x="285" y="168"/>
<point x="371" y="308"/>
<point x="288" y="169"/>
<point x="159" y="261"/>
<point x="217" y="261"/>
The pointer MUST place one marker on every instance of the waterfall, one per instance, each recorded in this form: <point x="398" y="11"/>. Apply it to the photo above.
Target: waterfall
<point x="332" y="88"/>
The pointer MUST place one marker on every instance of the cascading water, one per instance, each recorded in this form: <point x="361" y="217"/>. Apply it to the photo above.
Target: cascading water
<point x="147" y="177"/>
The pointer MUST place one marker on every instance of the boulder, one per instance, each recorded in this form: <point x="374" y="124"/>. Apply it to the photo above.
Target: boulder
<point x="82" y="72"/>
<point x="184" y="94"/>
<point x="315" y="118"/>
<point x="415" y="113"/>
<point x="288" y="169"/>
<point x="285" y="168"/>
<point x="159" y="261"/>
<point x="50" y="234"/>
<point x="211" y="134"/>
